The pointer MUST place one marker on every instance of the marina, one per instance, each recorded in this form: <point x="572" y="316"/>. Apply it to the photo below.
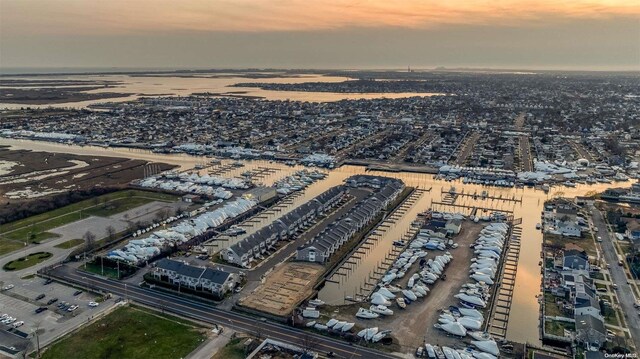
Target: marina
<point x="524" y="305"/>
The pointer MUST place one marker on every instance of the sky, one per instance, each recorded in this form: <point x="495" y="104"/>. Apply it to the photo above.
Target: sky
<point x="514" y="34"/>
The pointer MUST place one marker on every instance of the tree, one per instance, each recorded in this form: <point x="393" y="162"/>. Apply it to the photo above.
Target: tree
<point x="111" y="232"/>
<point x="89" y="240"/>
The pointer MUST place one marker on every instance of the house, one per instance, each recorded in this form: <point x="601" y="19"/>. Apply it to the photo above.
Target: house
<point x="453" y="226"/>
<point x="566" y="211"/>
<point x="569" y="229"/>
<point x="182" y="275"/>
<point x="587" y="306"/>
<point x="590" y="332"/>
<point x="574" y="259"/>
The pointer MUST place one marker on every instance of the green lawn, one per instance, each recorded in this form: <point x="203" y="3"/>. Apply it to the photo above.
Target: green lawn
<point x="34" y="229"/>
<point x="555" y="327"/>
<point x="550" y="307"/>
<point x="70" y="243"/>
<point x="28" y="261"/>
<point x="233" y="350"/>
<point x="129" y="332"/>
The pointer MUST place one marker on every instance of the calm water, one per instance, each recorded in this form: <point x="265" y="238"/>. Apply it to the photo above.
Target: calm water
<point x="184" y="86"/>
<point x="524" y="310"/>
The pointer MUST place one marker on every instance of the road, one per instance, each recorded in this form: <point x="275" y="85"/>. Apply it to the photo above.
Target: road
<point x="619" y="277"/>
<point x="213" y="315"/>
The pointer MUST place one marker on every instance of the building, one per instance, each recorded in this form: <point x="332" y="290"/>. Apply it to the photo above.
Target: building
<point x="255" y="245"/>
<point x="574" y="259"/>
<point x="320" y="248"/>
<point x="453" y="226"/>
<point x="261" y="194"/>
<point x="590" y="332"/>
<point x="209" y="280"/>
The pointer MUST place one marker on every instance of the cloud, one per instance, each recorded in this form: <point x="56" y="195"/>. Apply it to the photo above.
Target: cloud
<point x="97" y="17"/>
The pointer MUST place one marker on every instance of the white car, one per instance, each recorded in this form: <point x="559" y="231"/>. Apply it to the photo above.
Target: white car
<point x="72" y="308"/>
<point x="7" y="287"/>
<point x="93" y="304"/>
<point x="18" y="324"/>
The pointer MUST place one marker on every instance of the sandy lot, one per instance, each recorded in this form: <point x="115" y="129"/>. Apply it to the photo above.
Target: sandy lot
<point x="284" y="288"/>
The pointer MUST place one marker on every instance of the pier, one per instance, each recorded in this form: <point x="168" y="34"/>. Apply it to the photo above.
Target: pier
<point x="498" y="318"/>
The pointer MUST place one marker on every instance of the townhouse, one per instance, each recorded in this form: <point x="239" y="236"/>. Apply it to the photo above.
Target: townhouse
<point x="182" y="275"/>
<point x="320" y="248"/>
<point x="255" y="245"/>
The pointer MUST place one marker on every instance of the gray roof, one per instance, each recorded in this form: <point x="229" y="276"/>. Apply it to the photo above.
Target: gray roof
<point x="586" y="322"/>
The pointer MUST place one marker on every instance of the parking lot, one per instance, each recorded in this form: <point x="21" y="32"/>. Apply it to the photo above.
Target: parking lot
<point x="56" y="320"/>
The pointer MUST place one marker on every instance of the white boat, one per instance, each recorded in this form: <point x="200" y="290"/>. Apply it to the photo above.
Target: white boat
<point x="368" y="335"/>
<point x="393" y="289"/>
<point x="332" y="322"/>
<point x="471" y="300"/>
<point x="454" y="328"/>
<point x="366" y="314"/>
<point x="401" y="303"/>
<point x="487" y="346"/>
<point x="310" y="324"/>
<point x="448" y="353"/>
<point x="386" y="293"/>
<point x="470" y="323"/>
<point x="480" y="336"/>
<point x="483" y="355"/>
<point x="467" y="312"/>
<point x="381" y="309"/>
<point x="316" y="302"/>
<point x="409" y="294"/>
<point x="311" y="313"/>
<point x="345" y="328"/>
<point x="379" y="299"/>
<point x="339" y="325"/>
<point x="430" y="352"/>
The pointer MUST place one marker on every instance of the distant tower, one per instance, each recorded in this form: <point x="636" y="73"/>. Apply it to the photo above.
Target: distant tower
<point x="409" y="68"/>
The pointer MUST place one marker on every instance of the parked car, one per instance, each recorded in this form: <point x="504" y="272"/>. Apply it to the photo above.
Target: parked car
<point x="40" y="296"/>
<point x="77" y="292"/>
<point x="18" y="324"/>
<point x="41" y="309"/>
<point x="52" y="300"/>
<point x="93" y="304"/>
<point x="7" y="287"/>
<point x="48" y="281"/>
<point x="72" y="308"/>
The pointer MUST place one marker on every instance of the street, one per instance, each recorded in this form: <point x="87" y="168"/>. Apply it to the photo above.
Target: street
<point x="619" y="277"/>
<point x="213" y="315"/>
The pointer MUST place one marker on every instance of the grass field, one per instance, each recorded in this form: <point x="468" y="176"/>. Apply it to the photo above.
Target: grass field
<point x="34" y="229"/>
<point x="233" y="350"/>
<point x="70" y="243"/>
<point x="26" y="262"/>
<point x="129" y="332"/>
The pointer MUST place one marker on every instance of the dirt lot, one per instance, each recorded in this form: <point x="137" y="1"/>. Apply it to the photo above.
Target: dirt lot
<point x="30" y="181"/>
<point x="284" y="288"/>
<point x="411" y="325"/>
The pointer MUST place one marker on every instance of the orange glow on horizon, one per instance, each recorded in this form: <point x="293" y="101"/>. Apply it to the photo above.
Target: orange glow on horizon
<point x="119" y="16"/>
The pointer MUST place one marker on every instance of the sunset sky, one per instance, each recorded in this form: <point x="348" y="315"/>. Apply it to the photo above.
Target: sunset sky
<point x="320" y="33"/>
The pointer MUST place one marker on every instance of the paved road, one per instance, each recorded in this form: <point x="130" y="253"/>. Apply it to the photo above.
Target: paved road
<point x="213" y="315"/>
<point x="619" y="277"/>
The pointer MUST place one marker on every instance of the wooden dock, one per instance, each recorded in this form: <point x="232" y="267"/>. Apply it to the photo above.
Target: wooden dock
<point x="498" y="318"/>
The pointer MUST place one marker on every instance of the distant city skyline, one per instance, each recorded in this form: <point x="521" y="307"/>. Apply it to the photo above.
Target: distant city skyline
<point x="572" y="35"/>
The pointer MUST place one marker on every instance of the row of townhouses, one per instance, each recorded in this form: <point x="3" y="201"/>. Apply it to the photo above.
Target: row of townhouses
<point x="323" y="245"/>
<point x="207" y="279"/>
<point x="256" y="244"/>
